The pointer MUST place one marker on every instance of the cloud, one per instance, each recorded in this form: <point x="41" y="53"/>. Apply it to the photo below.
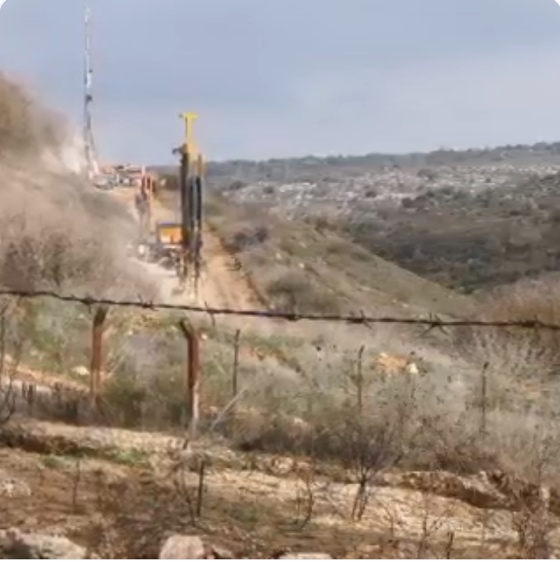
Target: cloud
<point x="283" y="77"/>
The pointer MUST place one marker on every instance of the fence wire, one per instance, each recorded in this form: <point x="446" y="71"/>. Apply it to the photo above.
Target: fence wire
<point x="432" y="322"/>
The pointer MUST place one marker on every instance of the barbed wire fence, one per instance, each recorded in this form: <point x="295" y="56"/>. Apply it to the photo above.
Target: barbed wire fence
<point x="299" y="403"/>
<point x="193" y="360"/>
<point x="361" y="318"/>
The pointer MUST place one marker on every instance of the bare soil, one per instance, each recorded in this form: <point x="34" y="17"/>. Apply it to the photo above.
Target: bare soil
<point x="254" y="506"/>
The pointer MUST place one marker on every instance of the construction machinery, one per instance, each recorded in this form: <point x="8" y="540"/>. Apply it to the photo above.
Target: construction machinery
<point x="191" y="173"/>
<point x="153" y="242"/>
<point x="164" y="245"/>
<point x="177" y="244"/>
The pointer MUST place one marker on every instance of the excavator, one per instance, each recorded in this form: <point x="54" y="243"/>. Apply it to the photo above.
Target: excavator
<point x="143" y="201"/>
<point x="176" y="244"/>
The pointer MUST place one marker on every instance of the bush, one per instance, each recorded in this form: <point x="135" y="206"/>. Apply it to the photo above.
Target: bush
<point x="73" y="253"/>
<point x="236" y="186"/>
<point x="131" y="401"/>
<point x="518" y="353"/>
<point x="427" y="422"/>
<point x="247" y="238"/>
<point x="294" y="292"/>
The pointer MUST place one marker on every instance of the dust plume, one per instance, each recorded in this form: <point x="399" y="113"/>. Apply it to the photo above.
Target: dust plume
<point x="56" y="230"/>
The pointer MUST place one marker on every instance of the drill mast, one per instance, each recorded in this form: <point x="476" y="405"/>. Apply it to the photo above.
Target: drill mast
<point x="191" y="174"/>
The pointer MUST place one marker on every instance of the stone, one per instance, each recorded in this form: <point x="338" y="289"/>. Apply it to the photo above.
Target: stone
<point x="33" y="546"/>
<point x="305" y="556"/>
<point x="221" y="553"/>
<point x="11" y="487"/>
<point x="182" y="547"/>
<point x="81" y="371"/>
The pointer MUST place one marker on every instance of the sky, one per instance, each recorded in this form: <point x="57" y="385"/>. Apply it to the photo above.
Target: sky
<point x="280" y="78"/>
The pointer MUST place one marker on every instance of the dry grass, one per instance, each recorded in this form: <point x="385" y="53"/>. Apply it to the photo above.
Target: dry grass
<point x="336" y="410"/>
<point x="425" y="423"/>
<point x="518" y="361"/>
<point x="537" y="299"/>
<point x="311" y="399"/>
<point x="457" y="415"/>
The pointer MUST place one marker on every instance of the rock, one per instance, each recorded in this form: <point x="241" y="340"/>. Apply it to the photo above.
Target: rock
<point x="14" y="544"/>
<point x="305" y="556"/>
<point x="221" y="553"/>
<point x="182" y="547"/>
<point x="81" y="371"/>
<point x="11" y="487"/>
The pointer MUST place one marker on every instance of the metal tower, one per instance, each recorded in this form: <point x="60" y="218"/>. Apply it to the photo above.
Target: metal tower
<point x="92" y="166"/>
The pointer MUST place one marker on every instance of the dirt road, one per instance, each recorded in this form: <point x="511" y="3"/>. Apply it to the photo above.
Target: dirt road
<point x="220" y="285"/>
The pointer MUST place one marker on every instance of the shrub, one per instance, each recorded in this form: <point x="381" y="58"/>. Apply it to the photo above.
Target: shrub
<point x="294" y="292"/>
<point x="247" y="238"/>
<point x="236" y="186"/>
<point x="518" y="353"/>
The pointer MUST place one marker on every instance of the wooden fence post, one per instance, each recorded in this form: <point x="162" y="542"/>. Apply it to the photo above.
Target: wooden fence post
<point x="234" y="383"/>
<point x="192" y="377"/>
<point x="483" y="398"/>
<point x="97" y="353"/>
<point x="360" y="380"/>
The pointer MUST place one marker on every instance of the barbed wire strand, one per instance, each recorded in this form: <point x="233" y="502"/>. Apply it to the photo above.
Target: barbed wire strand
<point x="361" y="319"/>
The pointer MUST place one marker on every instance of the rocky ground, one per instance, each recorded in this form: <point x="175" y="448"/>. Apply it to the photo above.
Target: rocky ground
<point x="129" y="502"/>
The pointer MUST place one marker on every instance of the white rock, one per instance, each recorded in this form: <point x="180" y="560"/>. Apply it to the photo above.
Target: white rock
<point x="182" y="547"/>
<point x="34" y="546"/>
<point x="81" y="371"/>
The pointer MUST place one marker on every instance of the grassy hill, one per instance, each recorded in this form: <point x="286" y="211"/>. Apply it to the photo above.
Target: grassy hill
<point x="299" y="268"/>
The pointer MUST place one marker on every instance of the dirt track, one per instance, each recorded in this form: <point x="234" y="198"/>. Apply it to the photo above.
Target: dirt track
<point x="220" y="286"/>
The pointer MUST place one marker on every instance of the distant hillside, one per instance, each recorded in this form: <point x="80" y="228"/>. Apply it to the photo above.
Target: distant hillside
<point x="312" y="168"/>
<point x="469" y="219"/>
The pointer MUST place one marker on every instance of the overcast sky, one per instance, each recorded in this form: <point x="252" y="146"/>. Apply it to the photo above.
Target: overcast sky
<point x="273" y="78"/>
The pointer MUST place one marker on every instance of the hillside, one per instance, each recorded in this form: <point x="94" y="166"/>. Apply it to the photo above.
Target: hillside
<point x="343" y="167"/>
<point x="469" y="220"/>
<point x="296" y="267"/>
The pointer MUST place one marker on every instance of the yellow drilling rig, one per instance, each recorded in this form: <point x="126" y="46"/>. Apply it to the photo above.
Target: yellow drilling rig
<point x="191" y="174"/>
<point x="177" y="243"/>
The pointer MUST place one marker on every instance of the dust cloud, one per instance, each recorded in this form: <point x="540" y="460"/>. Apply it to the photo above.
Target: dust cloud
<point x="57" y="231"/>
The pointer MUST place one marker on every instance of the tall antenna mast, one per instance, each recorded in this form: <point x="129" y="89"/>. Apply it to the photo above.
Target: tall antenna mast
<point x="92" y="167"/>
